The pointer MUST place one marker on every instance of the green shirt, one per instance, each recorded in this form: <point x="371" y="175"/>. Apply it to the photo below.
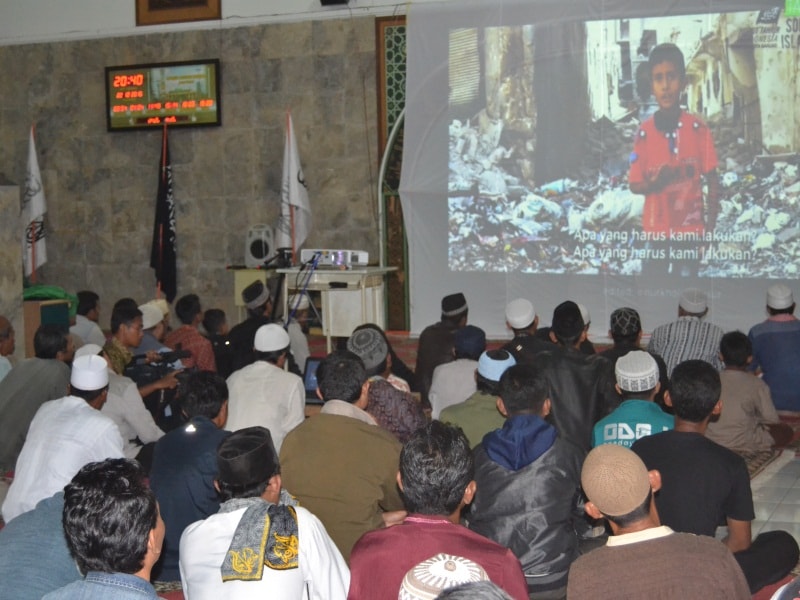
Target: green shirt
<point x="477" y="416"/>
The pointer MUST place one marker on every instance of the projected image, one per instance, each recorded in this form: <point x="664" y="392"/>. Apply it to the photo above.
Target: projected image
<point x="626" y="147"/>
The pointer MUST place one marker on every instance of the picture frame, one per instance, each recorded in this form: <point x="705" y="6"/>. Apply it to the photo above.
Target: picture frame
<point x="156" y="12"/>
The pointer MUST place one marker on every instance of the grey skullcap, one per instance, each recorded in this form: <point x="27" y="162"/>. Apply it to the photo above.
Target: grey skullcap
<point x="368" y="344"/>
<point x="247" y="457"/>
<point x="693" y="301"/>
<point x="254" y="295"/>
<point x="425" y="580"/>
<point x="454" y="304"/>
<point x="520" y="313"/>
<point x="615" y="479"/>
<point x="779" y="297"/>
<point x="637" y="371"/>
<point x="625" y="321"/>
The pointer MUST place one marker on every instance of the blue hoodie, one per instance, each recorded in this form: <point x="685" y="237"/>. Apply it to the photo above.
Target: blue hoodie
<point x="521" y="441"/>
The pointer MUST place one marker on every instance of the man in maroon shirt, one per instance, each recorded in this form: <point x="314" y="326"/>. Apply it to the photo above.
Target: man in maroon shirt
<point x="436" y="482"/>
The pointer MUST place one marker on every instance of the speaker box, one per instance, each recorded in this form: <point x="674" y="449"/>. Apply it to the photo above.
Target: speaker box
<point x="259" y="246"/>
<point x="333" y="2"/>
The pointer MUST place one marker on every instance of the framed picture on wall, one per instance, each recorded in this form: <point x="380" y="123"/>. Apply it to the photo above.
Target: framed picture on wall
<point x="155" y="12"/>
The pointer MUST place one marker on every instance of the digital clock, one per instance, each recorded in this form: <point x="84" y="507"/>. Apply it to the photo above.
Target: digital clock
<point x="176" y="93"/>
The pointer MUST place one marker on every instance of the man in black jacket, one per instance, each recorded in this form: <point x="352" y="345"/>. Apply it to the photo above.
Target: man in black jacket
<point x="581" y="386"/>
<point x="528" y="484"/>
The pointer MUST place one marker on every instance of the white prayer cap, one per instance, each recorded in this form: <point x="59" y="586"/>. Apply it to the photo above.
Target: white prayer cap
<point x="301" y="305"/>
<point x="637" y="371"/>
<point x="89" y="373"/>
<point x="151" y="315"/>
<point x="271" y="338"/>
<point x="779" y="297"/>
<point x="427" y="579"/>
<point x="693" y="301"/>
<point x="585" y="314"/>
<point x="520" y="313"/>
<point x="160" y="304"/>
<point x="88" y="350"/>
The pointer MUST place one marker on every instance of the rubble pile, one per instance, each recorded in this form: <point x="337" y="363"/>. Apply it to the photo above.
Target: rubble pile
<point x="591" y="223"/>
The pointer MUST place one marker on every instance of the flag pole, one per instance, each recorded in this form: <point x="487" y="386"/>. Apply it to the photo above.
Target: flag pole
<point x="33" y="245"/>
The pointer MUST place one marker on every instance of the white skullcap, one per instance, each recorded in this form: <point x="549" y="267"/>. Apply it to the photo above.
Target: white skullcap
<point x="779" y="297"/>
<point x="151" y="315"/>
<point x="637" y="371"/>
<point x="89" y="373"/>
<point x="520" y="313"/>
<point x="585" y="314"/>
<point x="427" y="579"/>
<point x="160" y="304"/>
<point x="693" y="301"/>
<point x="88" y="350"/>
<point x="271" y="338"/>
<point x="301" y="305"/>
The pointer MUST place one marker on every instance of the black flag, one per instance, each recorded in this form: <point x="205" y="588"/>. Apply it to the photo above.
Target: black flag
<point x="163" y="252"/>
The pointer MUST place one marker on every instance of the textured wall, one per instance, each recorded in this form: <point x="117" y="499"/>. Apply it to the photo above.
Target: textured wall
<point x="101" y="186"/>
<point x="10" y="256"/>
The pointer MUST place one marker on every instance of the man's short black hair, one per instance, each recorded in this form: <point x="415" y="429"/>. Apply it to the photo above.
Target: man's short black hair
<point x="524" y="389"/>
<point x="109" y="512"/>
<point x="780" y="311"/>
<point x="474" y="590"/>
<point x="203" y="394"/>
<point x="436" y="465"/>
<point x="123" y="314"/>
<point x="49" y="340"/>
<point x="87" y="302"/>
<point x="187" y="308"/>
<point x="213" y="320"/>
<point x="667" y="53"/>
<point x="88" y="395"/>
<point x="340" y="376"/>
<point x="125" y="303"/>
<point x="637" y="514"/>
<point x="735" y="348"/>
<point x="270" y="356"/>
<point x="694" y="388"/>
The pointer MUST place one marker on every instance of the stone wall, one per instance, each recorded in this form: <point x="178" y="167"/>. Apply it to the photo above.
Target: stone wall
<point x="101" y="186"/>
<point x="10" y="257"/>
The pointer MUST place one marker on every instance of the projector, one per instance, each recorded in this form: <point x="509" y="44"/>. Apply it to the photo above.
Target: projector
<point x="336" y="258"/>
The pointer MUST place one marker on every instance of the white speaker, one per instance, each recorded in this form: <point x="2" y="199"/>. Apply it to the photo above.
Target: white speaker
<point x="259" y="245"/>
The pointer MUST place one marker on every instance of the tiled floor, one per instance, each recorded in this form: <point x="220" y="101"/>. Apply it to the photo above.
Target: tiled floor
<point x="776" y="496"/>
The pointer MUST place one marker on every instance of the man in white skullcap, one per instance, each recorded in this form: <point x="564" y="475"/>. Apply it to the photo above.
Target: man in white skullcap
<point x="64" y="435"/>
<point x="638" y="415"/>
<point x="263" y="393"/>
<point x="522" y="319"/>
<point x="691" y="336"/>
<point x="776" y="343"/>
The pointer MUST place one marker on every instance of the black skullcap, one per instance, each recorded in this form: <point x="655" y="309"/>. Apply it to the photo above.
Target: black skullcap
<point x="567" y="320"/>
<point x="254" y="295"/>
<point x="454" y="304"/>
<point x="247" y="457"/>
<point x="625" y="321"/>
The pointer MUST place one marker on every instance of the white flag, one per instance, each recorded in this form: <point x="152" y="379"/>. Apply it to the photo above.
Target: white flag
<point x="34" y="254"/>
<point x="295" y="209"/>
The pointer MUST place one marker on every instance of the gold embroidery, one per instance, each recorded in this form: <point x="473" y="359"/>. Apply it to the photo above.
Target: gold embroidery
<point x="286" y="548"/>
<point x="244" y="561"/>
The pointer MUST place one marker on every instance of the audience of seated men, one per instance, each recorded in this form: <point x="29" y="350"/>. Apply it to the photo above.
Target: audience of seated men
<point x="29" y="385"/>
<point x="528" y="484"/>
<point x="454" y="382"/>
<point x="298" y="560"/>
<point x="86" y="318"/>
<point x="625" y="331"/>
<point x="185" y="464"/>
<point x="436" y="481"/>
<point x="706" y="484"/>
<point x="114" y="531"/>
<point x="394" y="410"/>
<point x="64" y="435"/>
<point x="690" y="337"/>
<point x="435" y="345"/>
<point x="340" y="464"/>
<point x="638" y="415"/>
<point x="263" y="393"/>
<point x="581" y="385"/>
<point x="776" y="343"/>
<point x="748" y="421"/>
<point x="478" y="414"/>
<point x="643" y="558"/>
<point x="187" y="337"/>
